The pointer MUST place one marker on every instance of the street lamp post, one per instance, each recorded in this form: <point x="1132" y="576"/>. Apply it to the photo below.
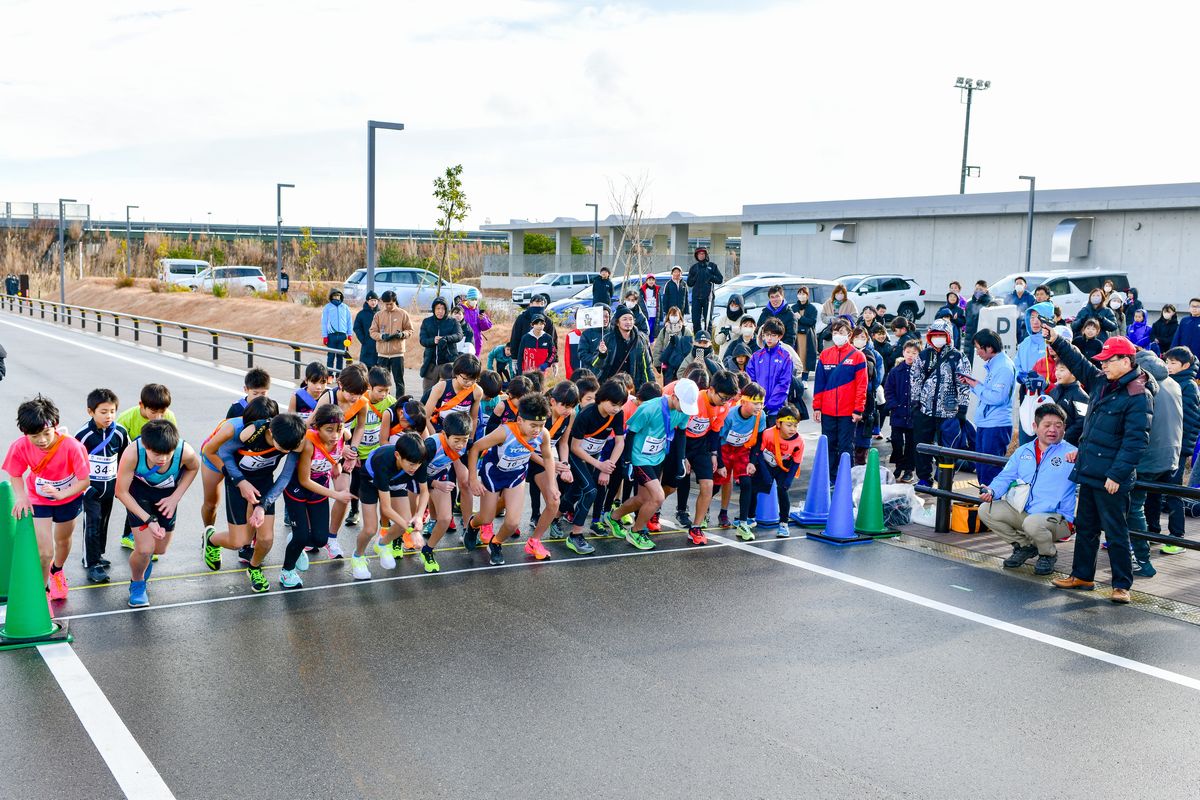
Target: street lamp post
<point x="970" y="85"/>
<point x="1029" y="234"/>
<point x="62" y="253"/>
<point x="595" y="234"/>
<point x="279" y="187"/>
<point x="128" y="252"/>
<point x="371" y="126"/>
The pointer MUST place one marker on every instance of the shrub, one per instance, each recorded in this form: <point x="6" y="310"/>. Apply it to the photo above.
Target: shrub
<point x="123" y="281"/>
<point x="270" y="295"/>
<point x="220" y="290"/>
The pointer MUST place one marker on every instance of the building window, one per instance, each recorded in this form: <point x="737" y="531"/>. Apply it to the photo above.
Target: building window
<point x="785" y="228"/>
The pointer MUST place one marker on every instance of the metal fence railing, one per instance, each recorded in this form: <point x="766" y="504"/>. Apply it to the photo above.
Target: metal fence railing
<point x="946" y="496"/>
<point x="195" y="341"/>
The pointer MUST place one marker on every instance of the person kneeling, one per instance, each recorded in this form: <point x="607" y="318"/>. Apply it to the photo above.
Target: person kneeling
<point x="1031" y="503"/>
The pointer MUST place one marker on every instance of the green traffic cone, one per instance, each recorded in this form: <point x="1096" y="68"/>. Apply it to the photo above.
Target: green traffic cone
<point x="869" y="521"/>
<point x="7" y="526"/>
<point x="27" y="622"/>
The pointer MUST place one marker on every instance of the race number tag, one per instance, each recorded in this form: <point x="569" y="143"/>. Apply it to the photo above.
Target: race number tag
<point x="103" y="468"/>
<point x="654" y="445"/>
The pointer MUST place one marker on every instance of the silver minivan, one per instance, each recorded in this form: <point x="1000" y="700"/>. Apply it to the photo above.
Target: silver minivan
<point x="553" y="286"/>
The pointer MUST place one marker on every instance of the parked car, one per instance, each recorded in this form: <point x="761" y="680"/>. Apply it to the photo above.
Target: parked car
<point x="566" y="308"/>
<point x="750" y="276"/>
<point x="900" y="293"/>
<point x="409" y="284"/>
<point x="553" y="286"/>
<point x="754" y="295"/>
<point x="182" y="271"/>
<point x="1069" y="287"/>
<point x="236" y="279"/>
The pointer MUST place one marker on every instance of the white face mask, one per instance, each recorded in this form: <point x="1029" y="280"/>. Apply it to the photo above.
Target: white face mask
<point x="748" y="332"/>
<point x="938" y="341"/>
<point x="1114" y="303"/>
<point x="674" y="321"/>
<point x="859" y="344"/>
<point x="1096" y="299"/>
<point x="840" y="339"/>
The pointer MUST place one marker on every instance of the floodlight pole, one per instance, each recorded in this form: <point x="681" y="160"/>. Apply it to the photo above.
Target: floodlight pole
<point x="1029" y="234"/>
<point x="969" y="85"/>
<point x="279" y="187"/>
<point x="595" y="235"/>
<point x="62" y="253"/>
<point x="128" y="252"/>
<point x="371" y="126"/>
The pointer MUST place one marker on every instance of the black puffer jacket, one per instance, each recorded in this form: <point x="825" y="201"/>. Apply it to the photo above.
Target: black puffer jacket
<point x="1108" y="323"/>
<point x="674" y="297"/>
<point x="1186" y="378"/>
<point x="974" y="306"/>
<point x="443" y="351"/>
<point x="1117" y="429"/>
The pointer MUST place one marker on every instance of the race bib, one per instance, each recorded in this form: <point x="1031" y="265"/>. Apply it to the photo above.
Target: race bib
<point x="255" y="462"/>
<point x="654" y="445"/>
<point x="592" y="446"/>
<point x="370" y="437"/>
<point x="512" y="463"/>
<point x="769" y="457"/>
<point x="41" y="485"/>
<point x="737" y="439"/>
<point x="103" y="468"/>
<point x="698" y="425"/>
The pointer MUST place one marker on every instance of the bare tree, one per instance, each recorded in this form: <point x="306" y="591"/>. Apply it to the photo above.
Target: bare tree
<point x="630" y="204"/>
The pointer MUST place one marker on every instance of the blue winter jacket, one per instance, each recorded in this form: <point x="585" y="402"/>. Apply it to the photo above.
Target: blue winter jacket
<point x="1188" y="334"/>
<point x="335" y="318"/>
<point x="1053" y="490"/>
<point x="1032" y="349"/>
<point x="995" y="393"/>
<point x="771" y="368"/>
<point x="897" y="388"/>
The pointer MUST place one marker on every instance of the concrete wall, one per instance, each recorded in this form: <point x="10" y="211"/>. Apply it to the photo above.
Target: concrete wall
<point x="1161" y="256"/>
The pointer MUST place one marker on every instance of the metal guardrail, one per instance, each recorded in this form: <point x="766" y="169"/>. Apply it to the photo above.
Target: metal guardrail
<point x="147" y="328"/>
<point x="947" y="456"/>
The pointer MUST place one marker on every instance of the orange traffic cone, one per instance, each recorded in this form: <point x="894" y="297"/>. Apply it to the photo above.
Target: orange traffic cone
<point x="27" y="622"/>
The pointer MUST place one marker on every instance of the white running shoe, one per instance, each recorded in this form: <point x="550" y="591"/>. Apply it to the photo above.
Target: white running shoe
<point x="334" y="550"/>
<point x="302" y="562"/>
<point x="289" y="579"/>
<point x="359" y="569"/>
<point x="384" y="551"/>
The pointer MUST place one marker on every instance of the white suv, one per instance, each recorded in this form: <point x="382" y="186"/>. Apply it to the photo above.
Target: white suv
<point x="236" y="279"/>
<point x="411" y="285"/>
<point x="900" y="293"/>
<point x="1069" y="288"/>
<point x="553" y="286"/>
<point x="182" y="271"/>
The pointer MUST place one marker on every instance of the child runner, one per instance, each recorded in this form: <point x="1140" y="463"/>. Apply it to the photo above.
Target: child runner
<point x="304" y="400"/>
<point x="445" y="470"/>
<point x="155" y="403"/>
<point x="349" y="397"/>
<point x="506" y="452"/>
<point x="250" y="455"/>
<point x="396" y="471"/>
<point x="104" y="441"/>
<point x="57" y="473"/>
<point x="740" y="440"/>
<point x="563" y="398"/>
<point x="653" y="426"/>
<point x="310" y="489"/>
<point x="620" y="484"/>
<point x="257" y="383"/>
<point x="152" y="477"/>
<point x="779" y="462"/>
<point x="595" y="424"/>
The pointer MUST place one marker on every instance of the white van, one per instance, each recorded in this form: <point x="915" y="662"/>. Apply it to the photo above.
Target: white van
<point x="1069" y="287"/>
<point x="181" y="271"/>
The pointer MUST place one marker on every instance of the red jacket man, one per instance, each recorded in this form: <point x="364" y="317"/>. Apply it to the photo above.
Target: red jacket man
<point x="840" y="395"/>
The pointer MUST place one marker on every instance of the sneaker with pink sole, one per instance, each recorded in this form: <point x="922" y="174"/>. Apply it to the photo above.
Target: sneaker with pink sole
<point x="58" y="585"/>
<point x="486" y="532"/>
<point x="535" y="548"/>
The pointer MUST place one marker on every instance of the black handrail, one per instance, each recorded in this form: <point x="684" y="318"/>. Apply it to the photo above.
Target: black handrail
<point x="945" y="496"/>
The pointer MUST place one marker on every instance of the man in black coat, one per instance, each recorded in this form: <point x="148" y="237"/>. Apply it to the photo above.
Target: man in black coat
<point x="1116" y="433"/>
<point x="521" y="325"/>
<point x="980" y="300"/>
<point x="623" y="349"/>
<point x="602" y="288"/>
<point x="439" y="335"/>
<point x="675" y="293"/>
<point x="702" y="277"/>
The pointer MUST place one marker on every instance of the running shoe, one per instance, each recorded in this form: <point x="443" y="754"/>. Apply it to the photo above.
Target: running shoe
<point x="684" y="519"/>
<point x="302" y="562"/>
<point x="386" y="559"/>
<point x="600" y="529"/>
<point x="723" y="520"/>
<point x="784" y="531"/>
<point x="127" y="541"/>
<point x="397" y="548"/>
<point x="353" y="517"/>
<point x="495" y="554"/>
<point x="653" y="525"/>
<point x="137" y="594"/>
<point x="428" y="561"/>
<point x="333" y="549"/>
<point x="258" y="581"/>
<point x="97" y="574"/>
<point x="696" y="535"/>
<point x="577" y="544"/>
<point x="614" y="528"/>
<point x="535" y="548"/>
<point x="212" y="553"/>
<point x="453" y="526"/>
<point x="290" y="578"/>
<point x="58" y="585"/>
<point x="406" y="540"/>
<point x="745" y="530"/>
<point x="245" y="553"/>
<point x="359" y="569"/>
<point x="486" y="533"/>
<point x="1170" y="549"/>
<point x="640" y="539"/>
<point x="557" y="529"/>
<point x="428" y="529"/>
<point x="104" y="562"/>
<point x="470" y="536"/>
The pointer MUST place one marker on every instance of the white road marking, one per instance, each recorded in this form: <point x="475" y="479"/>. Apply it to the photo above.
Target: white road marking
<point x="963" y="588"/>
<point x="133" y="771"/>
<point x="971" y="616"/>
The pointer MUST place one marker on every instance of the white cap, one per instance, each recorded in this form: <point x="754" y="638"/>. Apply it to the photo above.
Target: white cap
<point x="688" y="395"/>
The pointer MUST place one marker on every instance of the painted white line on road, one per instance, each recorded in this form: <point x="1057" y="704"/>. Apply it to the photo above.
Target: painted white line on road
<point x="962" y="613"/>
<point x="133" y="771"/>
<point x="130" y="359"/>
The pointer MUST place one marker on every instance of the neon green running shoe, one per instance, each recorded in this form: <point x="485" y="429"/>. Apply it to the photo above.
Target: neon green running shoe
<point x="1170" y="549"/>
<point x="745" y="531"/>
<point x="127" y="541"/>
<point x="258" y="581"/>
<point x="428" y="561"/>
<point x="640" y="539"/>
<point x="615" y="528"/>
<point x="212" y="553"/>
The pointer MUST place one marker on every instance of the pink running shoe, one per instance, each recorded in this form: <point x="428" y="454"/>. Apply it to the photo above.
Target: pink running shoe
<point x="486" y="532"/>
<point x="58" y="585"/>
<point x="535" y="548"/>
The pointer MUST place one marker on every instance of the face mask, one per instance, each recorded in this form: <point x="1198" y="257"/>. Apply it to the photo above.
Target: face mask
<point x="978" y="293"/>
<point x="734" y="309"/>
<point x="336" y="301"/>
<point x="839" y="297"/>
<point x="1020" y="287"/>
<point x="747" y="332"/>
<point x="859" y="344"/>
<point x="938" y="341"/>
<point x="803" y="298"/>
<point x="1114" y="303"/>
<point x="1167" y="315"/>
<point x="840" y="339"/>
<point x="674" y="320"/>
<point x="1096" y="299"/>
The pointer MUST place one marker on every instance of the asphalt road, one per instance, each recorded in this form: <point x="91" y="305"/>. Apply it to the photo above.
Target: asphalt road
<point x="716" y="672"/>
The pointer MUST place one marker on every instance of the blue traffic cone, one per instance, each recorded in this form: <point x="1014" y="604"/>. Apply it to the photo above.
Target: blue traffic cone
<point x="766" y="513"/>
<point x="815" y="513"/>
<point x="840" y="530"/>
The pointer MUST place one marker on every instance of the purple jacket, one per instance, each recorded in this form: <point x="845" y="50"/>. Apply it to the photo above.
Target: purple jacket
<point x="772" y="369"/>
<point x="478" y="323"/>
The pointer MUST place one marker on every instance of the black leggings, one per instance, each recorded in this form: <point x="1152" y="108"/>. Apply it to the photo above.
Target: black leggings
<point x="746" y="497"/>
<point x="763" y="476"/>
<point x="310" y="528"/>
<point x="583" y="490"/>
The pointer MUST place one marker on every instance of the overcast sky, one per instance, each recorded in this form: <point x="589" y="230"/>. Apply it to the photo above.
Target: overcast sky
<point x="188" y="108"/>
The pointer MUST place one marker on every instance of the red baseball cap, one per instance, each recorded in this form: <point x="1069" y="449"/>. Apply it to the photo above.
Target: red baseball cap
<point x="1116" y="346"/>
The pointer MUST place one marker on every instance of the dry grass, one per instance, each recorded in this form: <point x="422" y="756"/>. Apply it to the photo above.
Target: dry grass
<point x="123" y="281"/>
